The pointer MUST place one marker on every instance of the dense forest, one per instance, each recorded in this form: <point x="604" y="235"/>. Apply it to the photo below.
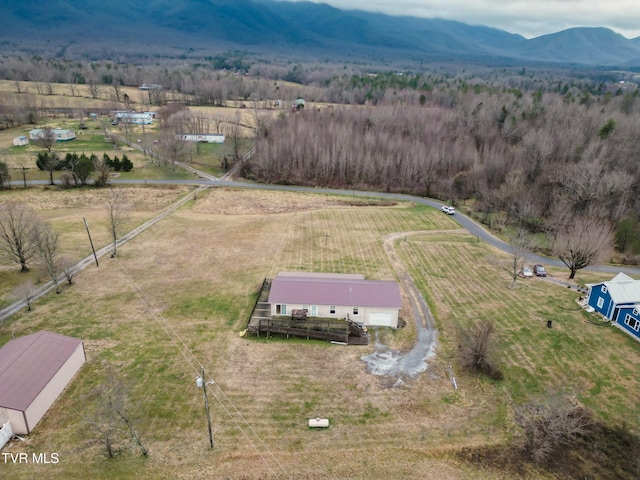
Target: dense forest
<point x="533" y="160"/>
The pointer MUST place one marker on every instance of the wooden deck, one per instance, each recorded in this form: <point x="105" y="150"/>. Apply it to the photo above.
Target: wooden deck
<point x="261" y="322"/>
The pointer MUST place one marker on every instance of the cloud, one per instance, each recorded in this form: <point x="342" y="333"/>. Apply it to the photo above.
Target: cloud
<point x="530" y="19"/>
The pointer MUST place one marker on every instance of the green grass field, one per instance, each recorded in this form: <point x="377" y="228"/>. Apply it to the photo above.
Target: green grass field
<point x="178" y="295"/>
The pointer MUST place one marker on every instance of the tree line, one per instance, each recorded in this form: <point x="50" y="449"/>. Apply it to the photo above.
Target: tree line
<point x="538" y="161"/>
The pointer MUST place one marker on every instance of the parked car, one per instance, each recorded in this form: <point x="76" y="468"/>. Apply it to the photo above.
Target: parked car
<point x="526" y="271"/>
<point x="539" y="271"/>
<point x="448" y="209"/>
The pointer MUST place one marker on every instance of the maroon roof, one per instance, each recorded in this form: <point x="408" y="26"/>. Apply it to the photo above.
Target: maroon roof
<point x="27" y="365"/>
<point x="338" y="290"/>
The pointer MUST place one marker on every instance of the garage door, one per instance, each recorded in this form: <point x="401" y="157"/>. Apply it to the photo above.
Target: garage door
<point x="381" y="319"/>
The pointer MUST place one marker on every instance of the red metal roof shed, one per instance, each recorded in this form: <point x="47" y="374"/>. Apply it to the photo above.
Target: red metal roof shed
<point x="34" y="370"/>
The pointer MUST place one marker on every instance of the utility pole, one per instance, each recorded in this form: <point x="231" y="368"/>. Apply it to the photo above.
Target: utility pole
<point x="86" y="225"/>
<point x="200" y="382"/>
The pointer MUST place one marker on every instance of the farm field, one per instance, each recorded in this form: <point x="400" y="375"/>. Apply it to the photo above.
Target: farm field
<point x="178" y="295"/>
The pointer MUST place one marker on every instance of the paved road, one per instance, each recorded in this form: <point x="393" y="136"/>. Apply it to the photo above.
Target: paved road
<point x="470" y="225"/>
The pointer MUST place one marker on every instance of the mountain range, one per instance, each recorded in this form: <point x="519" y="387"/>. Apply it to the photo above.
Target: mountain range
<point x="300" y="29"/>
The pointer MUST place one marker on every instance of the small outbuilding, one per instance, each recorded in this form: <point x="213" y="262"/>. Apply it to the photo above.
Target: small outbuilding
<point x="618" y="300"/>
<point x="20" y="141"/>
<point x="331" y="295"/>
<point x="34" y="370"/>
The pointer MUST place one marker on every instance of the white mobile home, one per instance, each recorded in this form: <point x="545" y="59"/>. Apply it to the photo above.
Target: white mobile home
<point x="201" y="137"/>
<point x="134" y="118"/>
<point x="366" y="302"/>
<point x="60" y="135"/>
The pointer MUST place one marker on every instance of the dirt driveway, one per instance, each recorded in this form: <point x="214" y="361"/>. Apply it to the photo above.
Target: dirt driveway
<point x="387" y="362"/>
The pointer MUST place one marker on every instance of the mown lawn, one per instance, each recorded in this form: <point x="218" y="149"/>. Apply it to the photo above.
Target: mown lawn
<point x="178" y="296"/>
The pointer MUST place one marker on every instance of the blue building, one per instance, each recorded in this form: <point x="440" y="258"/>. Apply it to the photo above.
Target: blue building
<point x="618" y="300"/>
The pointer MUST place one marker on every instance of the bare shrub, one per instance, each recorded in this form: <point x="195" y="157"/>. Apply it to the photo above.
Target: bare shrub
<point x="549" y="423"/>
<point x="68" y="267"/>
<point x="26" y="292"/>
<point x="478" y="349"/>
<point x="65" y="180"/>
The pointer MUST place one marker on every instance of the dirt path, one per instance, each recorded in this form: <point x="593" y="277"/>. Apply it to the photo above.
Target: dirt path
<point x="387" y="362"/>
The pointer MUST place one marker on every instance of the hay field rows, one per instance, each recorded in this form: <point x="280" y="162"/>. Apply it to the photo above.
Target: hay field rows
<point x="179" y="294"/>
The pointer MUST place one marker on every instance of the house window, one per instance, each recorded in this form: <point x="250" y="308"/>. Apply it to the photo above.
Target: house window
<point x="632" y="322"/>
<point x="305" y="308"/>
<point x="332" y="309"/>
<point x="355" y="310"/>
<point x="281" y="309"/>
<point x="314" y="310"/>
<point x="604" y="289"/>
<point x="600" y="302"/>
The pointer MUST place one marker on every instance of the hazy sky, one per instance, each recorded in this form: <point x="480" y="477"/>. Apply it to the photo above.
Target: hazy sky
<point x="530" y="18"/>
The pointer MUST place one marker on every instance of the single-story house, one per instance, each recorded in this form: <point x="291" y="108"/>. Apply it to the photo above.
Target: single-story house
<point x="618" y="300"/>
<point x="34" y="370"/>
<point x="349" y="296"/>
<point x="134" y="118"/>
<point x="203" y="137"/>
<point x="20" y="141"/>
<point x="61" y="135"/>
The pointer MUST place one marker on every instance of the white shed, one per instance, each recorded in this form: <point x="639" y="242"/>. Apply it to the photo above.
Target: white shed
<point x="20" y="141"/>
<point x="34" y="370"/>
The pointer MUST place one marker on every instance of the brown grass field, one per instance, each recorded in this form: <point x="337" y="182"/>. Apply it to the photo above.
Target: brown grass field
<point x="179" y="294"/>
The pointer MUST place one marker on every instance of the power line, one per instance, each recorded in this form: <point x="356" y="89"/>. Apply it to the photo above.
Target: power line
<point x="193" y="362"/>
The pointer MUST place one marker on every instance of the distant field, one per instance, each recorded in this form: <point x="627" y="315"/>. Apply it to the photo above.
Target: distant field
<point x="197" y="272"/>
<point x="204" y="156"/>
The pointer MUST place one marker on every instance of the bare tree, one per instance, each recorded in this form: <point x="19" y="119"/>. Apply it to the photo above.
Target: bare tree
<point x="520" y="246"/>
<point x="110" y="419"/>
<point x="26" y="292"/>
<point x="235" y="138"/>
<point x="46" y="138"/>
<point x="68" y="267"/>
<point x="94" y="89"/>
<point x="551" y="422"/>
<point x="478" y="349"/>
<point x="117" y="90"/>
<point x="17" y="225"/>
<point x="171" y="148"/>
<point x="72" y="82"/>
<point x="260" y="119"/>
<point x="116" y="215"/>
<point x="22" y="166"/>
<point x="45" y="239"/>
<point x="102" y="169"/>
<point x="104" y="429"/>
<point x="583" y="243"/>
